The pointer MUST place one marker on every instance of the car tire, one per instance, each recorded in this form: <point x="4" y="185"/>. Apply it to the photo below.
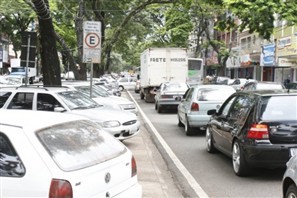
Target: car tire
<point x="240" y="166"/>
<point x="156" y="106"/>
<point x="159" y="109"/>
<point x="180" y="124"/>
<point x="188" y="129"/>
<point x="209" y="142"/>
<point x="121" y="88"/>
<point x="291" y="191"/>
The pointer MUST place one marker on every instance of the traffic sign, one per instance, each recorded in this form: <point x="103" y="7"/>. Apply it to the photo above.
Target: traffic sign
<point x="92" y="42"/>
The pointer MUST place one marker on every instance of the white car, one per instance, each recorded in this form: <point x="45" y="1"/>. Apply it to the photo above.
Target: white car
<point x="289" y="182"/>
<point x="126" y="83"/>
<point x="192" y="110"/>
<point x="121" y="124"/>
<point x="101" y="96"/>
<point x="45" y="154"/>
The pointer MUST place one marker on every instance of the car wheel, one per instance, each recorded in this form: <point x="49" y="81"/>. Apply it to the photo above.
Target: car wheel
<point x="209" y="142"/>
<point x="240" y="166"/>
<point x="188" y="128"/>
<point x="291" y="191"/>
<point x="159" y="109"/>
<point x="121" y="88"/>
<point x="180" y="124"/>
<point x="156" y="106"/>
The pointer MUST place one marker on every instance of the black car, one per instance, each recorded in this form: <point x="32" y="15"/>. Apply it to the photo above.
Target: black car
<point x="255" y="129"/>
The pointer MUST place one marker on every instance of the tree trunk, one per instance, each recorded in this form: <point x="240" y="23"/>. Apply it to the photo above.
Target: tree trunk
<point x="49" y="57"/>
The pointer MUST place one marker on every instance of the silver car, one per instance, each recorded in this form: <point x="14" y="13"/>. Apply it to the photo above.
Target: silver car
<point x="101" y="96"/>
<point x="192" y="110"/>
<point x="289" y="183"/>
<point x="121" y="124"/>
<point x="168" y="94"/>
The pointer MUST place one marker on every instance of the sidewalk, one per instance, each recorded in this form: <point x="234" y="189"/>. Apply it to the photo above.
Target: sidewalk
<point x="153" y="173"/>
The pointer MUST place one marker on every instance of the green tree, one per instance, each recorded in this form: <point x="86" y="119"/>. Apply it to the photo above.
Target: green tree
<point x="258" y="15"/>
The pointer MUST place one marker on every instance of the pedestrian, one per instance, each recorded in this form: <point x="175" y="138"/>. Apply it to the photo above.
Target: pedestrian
<point x="287" y="81"/>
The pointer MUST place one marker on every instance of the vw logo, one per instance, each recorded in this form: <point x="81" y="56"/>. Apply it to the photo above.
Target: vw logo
<point x="107" y="178"/>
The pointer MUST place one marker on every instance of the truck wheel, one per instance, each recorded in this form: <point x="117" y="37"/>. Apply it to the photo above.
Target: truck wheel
<point x="141" y="96"/>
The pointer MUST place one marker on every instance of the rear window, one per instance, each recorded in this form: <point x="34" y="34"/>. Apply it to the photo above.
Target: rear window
<point x="79" y="144"/>
<point x="269" y="86"/>
<point x="214" y="94"/>
<point x="279" y="108"/>
<point x="175" y="87"/>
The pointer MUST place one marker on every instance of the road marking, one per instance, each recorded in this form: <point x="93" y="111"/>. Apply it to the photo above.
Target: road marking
<point x="191" y="180"/>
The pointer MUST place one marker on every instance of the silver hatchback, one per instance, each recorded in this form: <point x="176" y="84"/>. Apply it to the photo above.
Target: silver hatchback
<point x="192" y="110"/>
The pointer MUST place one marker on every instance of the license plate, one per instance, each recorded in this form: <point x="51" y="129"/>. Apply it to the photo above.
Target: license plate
<point x="293" y="152"/>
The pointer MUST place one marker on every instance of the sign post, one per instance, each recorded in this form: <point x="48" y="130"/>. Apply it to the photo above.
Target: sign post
<point x="92" y="45"/>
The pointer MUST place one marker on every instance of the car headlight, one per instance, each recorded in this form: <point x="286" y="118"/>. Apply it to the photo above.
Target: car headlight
<point x="111" y="124"/>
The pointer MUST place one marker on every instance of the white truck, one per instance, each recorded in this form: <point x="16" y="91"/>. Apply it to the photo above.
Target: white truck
<point x="17" y="70"/>
<point x="161" y="65"/>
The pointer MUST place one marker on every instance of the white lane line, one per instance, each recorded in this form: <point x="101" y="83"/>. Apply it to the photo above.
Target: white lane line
<point x="191" y="180"/>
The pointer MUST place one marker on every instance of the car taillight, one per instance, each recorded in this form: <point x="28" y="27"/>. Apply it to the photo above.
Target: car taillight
<point x="60" y="189"/>
<point x="258" y="131"/>
<point x="195" y="106"/>
<point x="133" y="167"/>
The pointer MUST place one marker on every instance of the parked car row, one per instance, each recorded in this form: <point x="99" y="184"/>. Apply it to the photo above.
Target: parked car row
<point x="74" y="141"/>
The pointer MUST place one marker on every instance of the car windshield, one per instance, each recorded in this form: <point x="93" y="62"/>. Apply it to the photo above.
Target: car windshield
<point x="95" y="91"/>
<point x="279" y="108"/>
<point x="211" y="94"/>
<point x="76" y="100"/>
<point x="175" y="87"/>
<point x="79" y="144"/>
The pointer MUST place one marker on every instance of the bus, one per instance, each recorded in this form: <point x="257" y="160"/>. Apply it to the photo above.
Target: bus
<point x="195" y="71"/>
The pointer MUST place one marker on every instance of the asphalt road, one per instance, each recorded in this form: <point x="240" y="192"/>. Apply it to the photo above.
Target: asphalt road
<point x="213" y="172"/>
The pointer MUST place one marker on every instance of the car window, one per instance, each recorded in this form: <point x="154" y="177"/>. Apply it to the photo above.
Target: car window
<point x="189" y="94"/>
<point x="211" y="94"/>
<point x="124" y="80"/>
<point x="269" y="86"/>
<point x="22" y="101"/>
<point x="175" y="87"/>
<point x="4" y="95"/>
<point x="240" y="108"/>
<point x="46" y="102"/>
<point x="226" y="106"/>
<point x="79" y="144"/>
<point x="76" y="100"/>
<point x="10" y="163"/>
<point x="279" y="108"/>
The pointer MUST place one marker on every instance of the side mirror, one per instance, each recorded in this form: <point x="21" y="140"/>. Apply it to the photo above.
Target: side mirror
<point x="59" y="109"/>
<point x="211" y="112"/>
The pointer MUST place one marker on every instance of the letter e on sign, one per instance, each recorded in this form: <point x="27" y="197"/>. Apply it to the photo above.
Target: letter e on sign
<point x="92" y="40"/>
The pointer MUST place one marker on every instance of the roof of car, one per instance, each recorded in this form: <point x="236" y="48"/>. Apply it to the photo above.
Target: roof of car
<point x="32" y="119"/>
<point x="37" y="88"/>
<point x="271" y="92"/>
<point x="213" y="85"/>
